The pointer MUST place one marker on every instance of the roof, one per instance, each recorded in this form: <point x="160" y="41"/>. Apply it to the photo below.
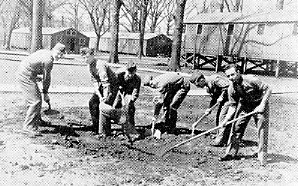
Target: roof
<point x="277" y="16"/>
<point x="45" y="30"/>
<point x="125" y="35"/>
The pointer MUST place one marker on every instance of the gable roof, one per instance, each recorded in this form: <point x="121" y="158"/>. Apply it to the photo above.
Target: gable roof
<point x="124" y="35"/>
<point x="45" y="30"/>
<point x="277" y="16"/>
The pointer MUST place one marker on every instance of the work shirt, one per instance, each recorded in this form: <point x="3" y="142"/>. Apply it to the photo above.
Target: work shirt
<point x="106" y="78"/>
<point x="35" y="64"/>
<point x="249" y="91"/>
<point x="130" y="86"/>
<point x="102" y="73"/>
<point x="170" y="82"/>
<point x="216" y="86"/>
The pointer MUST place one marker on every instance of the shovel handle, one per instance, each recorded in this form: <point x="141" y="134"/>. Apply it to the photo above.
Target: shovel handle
<point x="49" y="104"/>
<point x="193" y="126"/>
<point x="206" y="132"/>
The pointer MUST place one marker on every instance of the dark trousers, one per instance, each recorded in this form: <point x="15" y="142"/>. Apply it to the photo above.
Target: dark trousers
<point x="171" y="103"/>
<point x="94" y="111"/>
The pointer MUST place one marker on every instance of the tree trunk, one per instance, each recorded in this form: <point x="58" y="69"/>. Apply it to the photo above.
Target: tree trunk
<point x="36" y="41"/>
<point x="280" y="4"/>
<point x="176" y="47"/>
<point x="143" y="18"/>
<point x="12" y="26"/>
<point x="238" y="6"/>
<point x="97" y="41"/>
<point x="116" y="5"/>
<point x="222" y="5"/>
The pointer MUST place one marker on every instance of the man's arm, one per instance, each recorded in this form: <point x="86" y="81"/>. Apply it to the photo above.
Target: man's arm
<point x="46" y="80"/>
<point x="231" y="112"/>
<point x="266" y="95"/>
<point x="96" y="86"/>
<point x="104" y="79"/>
<point x="233" y="102"/>
<point x="136" y="90"/>
<point x="47" y="77"/>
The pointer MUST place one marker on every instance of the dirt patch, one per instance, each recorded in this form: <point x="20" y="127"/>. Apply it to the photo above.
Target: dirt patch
<point x="68" y="153"/>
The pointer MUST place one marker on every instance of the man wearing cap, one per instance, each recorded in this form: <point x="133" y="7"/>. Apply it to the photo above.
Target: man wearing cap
<point x="130" y="84"/>
<point x="252" y="95"/>
<point x="105" y="84"/>
<point x="37" y="63"/>
<point x="216" y="86"/>
<point x="172" y="89"/>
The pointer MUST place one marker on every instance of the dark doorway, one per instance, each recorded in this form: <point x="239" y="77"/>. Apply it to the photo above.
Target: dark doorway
<point x="71" y="43"/>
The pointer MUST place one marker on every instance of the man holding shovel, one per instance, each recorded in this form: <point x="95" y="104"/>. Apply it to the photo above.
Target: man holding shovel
<point x="172" y="89"/>
<point x="37" y="63"/>
<point x="106" y="86"/>
<point x="251" y="95"/>
<point x="129" y="83"/>
<point x="216" y="86"/>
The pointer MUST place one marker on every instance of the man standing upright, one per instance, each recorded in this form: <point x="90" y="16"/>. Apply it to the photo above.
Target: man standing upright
<point x="251" y="95"/>
<point x="129" y="87"/>
<point x="217" y="87"/>
<point x="172" y="89"/>
<point x="37" y="63"/>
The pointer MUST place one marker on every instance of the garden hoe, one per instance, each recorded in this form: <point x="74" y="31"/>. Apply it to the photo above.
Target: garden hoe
<point x="163" y="152"/>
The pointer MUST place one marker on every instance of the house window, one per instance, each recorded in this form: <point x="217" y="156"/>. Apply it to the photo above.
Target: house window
<point x="199" y="29"/>
<point x="82" y="41"/>
<point x="261" y="28"/>
<point x="295" y="29"/>
<point x="230" y="30"/>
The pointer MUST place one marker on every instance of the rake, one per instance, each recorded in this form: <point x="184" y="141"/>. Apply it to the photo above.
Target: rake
<point x="164" y="151"/>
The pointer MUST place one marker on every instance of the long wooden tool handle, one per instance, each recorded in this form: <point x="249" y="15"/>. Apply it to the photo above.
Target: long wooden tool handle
<point x="202" y="117"/>
<point x="206" y="132"/>
<point x="49" y="104"/>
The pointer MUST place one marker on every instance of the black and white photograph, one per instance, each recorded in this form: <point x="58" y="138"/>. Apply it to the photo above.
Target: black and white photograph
<point x="148" y="92"/>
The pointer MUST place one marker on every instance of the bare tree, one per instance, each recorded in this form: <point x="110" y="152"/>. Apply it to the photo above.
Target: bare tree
<point x="131" y="13"/>
<point x="143" y="18"/>
<point x="27" y="8"/>
<point x="155" y="12"/>
<point x="115" y="9"/>
<point x="48" y="9"/>
<point x="176" y="47"/>
<point x="280" y="4"/>
<point x="169" y="16"/>
<point x="97" y="11"/>
<point x="72" y="9"/>
<point x="10" y="15"/>
<point x="36" y="41"/>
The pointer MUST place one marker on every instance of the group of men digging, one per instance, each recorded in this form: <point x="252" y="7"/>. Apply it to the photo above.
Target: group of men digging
<point x="236" y="96"/>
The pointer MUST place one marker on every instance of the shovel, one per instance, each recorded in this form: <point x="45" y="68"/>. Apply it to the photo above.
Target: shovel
<point x="163" y="152"/>
<point x="193" y="126"/>
<point x="49" y="111"/>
